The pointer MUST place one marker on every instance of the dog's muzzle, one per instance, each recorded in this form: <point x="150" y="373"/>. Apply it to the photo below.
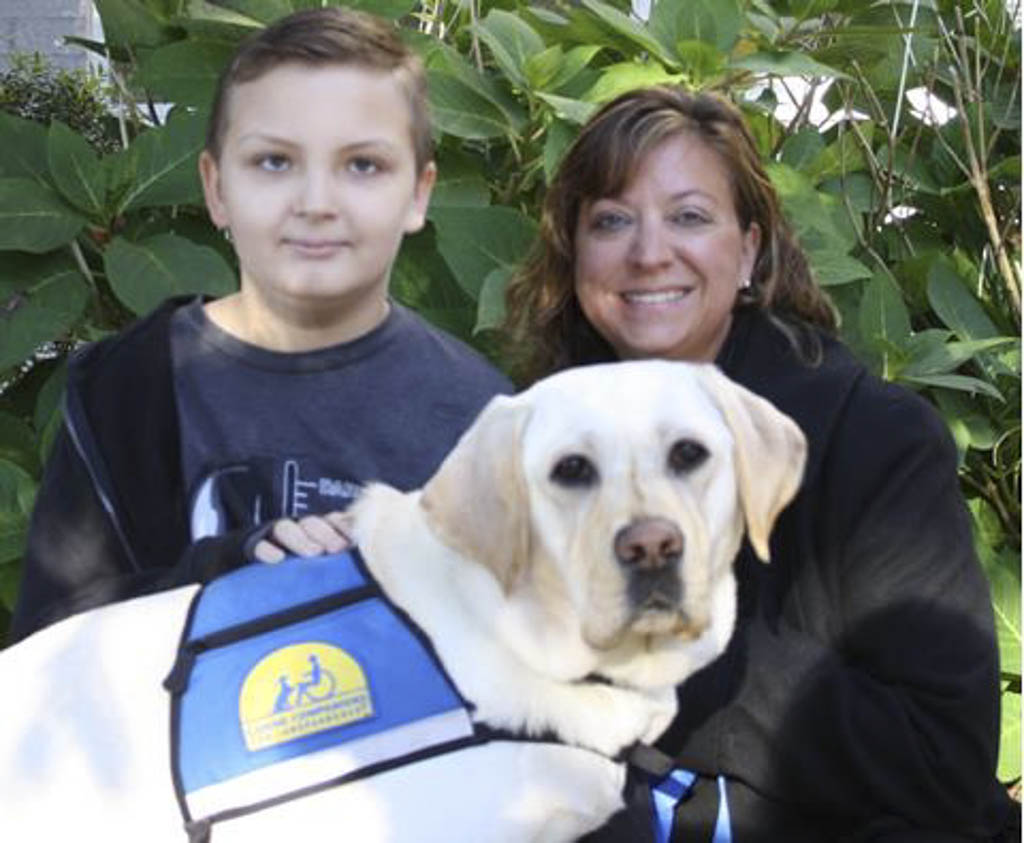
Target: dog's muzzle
<point x="649" y="551"/>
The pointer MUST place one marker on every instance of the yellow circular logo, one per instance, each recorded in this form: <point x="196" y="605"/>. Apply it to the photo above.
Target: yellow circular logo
<point x="300" y="690"/>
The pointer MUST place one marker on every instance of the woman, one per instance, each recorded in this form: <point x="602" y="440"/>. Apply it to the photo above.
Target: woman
<point x="858" y="699"/>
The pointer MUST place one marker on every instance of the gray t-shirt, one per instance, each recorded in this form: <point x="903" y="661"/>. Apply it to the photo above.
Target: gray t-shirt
<point x="267" y="434"/>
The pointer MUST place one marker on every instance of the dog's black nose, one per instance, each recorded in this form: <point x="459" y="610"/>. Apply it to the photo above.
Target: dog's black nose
<point x="649" y="544"/>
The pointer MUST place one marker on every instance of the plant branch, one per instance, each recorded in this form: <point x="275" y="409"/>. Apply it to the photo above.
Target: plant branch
<point x="907" y="58"/>
<point x="474" y="36"/>
<point x="120" y="88"/>
<point x="885" y="185"/>
<point x="83" y="266"/>
<point x="869" y="156"/>
<point x="978" y="176"/>
<point x="989" y="492"/>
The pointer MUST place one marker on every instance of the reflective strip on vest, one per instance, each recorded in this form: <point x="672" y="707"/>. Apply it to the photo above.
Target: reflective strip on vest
<point x="667" y="793"/>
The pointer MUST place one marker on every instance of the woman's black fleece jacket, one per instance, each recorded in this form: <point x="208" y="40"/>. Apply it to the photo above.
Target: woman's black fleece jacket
<point x="859" y="697"/>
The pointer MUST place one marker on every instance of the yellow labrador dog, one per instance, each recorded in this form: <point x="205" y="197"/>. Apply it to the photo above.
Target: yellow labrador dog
<point x="584" y="528"/>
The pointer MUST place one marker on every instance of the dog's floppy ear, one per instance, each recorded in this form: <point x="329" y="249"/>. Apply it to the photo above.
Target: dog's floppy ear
<point x="477" y="501"/>
<point x="770" y="454"/>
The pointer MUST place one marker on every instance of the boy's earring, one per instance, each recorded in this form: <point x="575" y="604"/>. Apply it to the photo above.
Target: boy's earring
<point x="745" y="283"/>
<point x="227" y="234"/>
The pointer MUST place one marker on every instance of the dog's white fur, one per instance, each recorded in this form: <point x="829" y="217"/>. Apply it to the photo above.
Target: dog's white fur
<point x="513" y="574"/>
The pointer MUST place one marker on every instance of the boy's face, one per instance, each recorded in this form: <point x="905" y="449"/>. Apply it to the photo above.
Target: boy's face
<point x="317" y="182"/>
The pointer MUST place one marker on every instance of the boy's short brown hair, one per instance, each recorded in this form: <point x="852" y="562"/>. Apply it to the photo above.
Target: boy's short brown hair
<point x="320" y="37"/>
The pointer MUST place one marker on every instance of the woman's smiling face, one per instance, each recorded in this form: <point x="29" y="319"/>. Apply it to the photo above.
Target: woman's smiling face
<point x="658" y="267"/>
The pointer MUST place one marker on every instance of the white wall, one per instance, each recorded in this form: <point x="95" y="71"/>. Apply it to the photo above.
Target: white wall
<point x="28" y="26"/>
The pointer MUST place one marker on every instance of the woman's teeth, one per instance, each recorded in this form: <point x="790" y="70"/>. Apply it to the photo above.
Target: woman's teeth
<point x="654" y="296"/>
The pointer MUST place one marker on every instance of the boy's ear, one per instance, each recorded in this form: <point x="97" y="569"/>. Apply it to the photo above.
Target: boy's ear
<point x="421" y="198"/>
<point x="209" y="175"/>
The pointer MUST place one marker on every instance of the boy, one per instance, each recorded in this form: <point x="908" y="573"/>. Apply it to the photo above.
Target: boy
<point x="186" y="436"/>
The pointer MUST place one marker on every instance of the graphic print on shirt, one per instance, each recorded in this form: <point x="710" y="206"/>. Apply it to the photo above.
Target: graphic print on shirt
<point x="261" y="489"/>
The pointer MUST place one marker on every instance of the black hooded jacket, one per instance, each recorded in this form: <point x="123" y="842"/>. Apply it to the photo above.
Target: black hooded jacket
<point x="111" y="519"/>
<point x="859" y="697"/>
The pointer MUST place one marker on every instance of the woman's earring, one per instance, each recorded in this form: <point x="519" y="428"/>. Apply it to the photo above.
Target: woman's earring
<point x="745" y="283"/>
<point x="227" y="234"/>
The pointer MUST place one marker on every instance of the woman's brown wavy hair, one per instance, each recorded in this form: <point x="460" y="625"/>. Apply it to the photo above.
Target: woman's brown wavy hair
<point x="543" y="318"/>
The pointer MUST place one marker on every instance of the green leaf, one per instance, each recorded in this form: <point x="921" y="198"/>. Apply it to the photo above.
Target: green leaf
<point x="46" y="308"/>
<point x="1011" y="361"/>
<point x="462" y="111"/>
<point x="574" y="63"/>
<point x="832" y="268"/>
<point x="884" y="321"/>
<point x="24" y="146"/>
<point x="701" y="60"/>
<point x="926" y="344"/>
<point x="488" y="88"/>
<point x="421" y="279"/>
<point x="49" y="396"/>
<point x="950" y="356"/>
<point x="819" y="219"/>
<point x="391" y="9"/>
<point x="163" y="8"/>
<point x="1009" y="168"/>
<point x="264" y="11"/>
<point x="143" y="274"/>
<point x="856" y="191"/>
<point x="541" y="68"/>
<point x="1005" y="581"/>
<point x="76" y="169"/>
<point x="962" y="383"/>
<point x="987" y="530"/>
<point x="33" y="218"/>
<point x="786" y="63"/>
<point x="978" y="429"/>
<point x="205" y="19"/>
<point x="10" y="583"/>
<point x="1008" y="769"/>
<point x="17" y="491"/>
<point x="130" y="23"/>
<point x="556" y="141"/>
<point x="491" y="305"/>
<point x="625" y="26"/>
<point x="511" y="41"/>
<point x="49" y="408"/>
<point x="185" y="72"/>
<point x="570" y="110"/>
<point x="717" y="23"/>
<point x="618" y="78"/>
<point x="914" y="169"/>
<point x="547" y="16"/>
<point x="844" y="156"/>
<point x="459" y="189"/>
<point x="805" y="9"/>
<point x="475" y="241"/>
<point x="954" y="304"/>
<point x="161" y="164"/>
<point x="18" y="443"/>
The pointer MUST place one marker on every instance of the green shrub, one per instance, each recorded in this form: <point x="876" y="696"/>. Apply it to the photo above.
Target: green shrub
<point x="34" y="90"/>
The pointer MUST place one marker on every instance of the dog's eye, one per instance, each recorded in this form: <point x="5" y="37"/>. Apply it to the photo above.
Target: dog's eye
<point x="685" y="455"/>
<point x="574" y="470"/>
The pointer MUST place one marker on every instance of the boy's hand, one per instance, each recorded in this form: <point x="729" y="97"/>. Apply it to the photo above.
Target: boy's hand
<point x="314" y="535"/>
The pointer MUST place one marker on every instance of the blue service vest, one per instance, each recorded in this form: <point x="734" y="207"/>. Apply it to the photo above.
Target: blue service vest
<point x="305" y="664"/>
<point x="307" y="667"/>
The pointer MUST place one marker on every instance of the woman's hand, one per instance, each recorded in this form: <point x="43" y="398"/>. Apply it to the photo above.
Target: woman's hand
<point x="314" y="535"/>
